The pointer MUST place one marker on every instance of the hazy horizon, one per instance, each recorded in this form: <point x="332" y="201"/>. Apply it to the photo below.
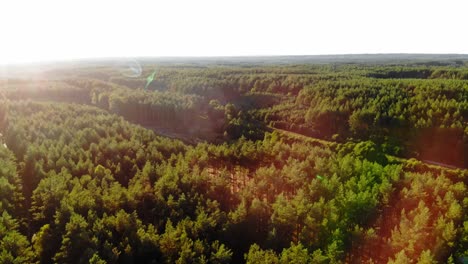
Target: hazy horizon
<point x="55" y="30"/>
<point x="345" y="57"/>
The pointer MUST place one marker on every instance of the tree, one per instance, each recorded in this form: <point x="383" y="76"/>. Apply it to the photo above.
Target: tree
<point x="14" y="247"/>
<point x="400" y="258"/>
<point x="220" y="254"/>
<point x="257" y="256"/>
<point x="295" y="254"/>
<point x="3" y="115"/>
<point x="426" y="258"/>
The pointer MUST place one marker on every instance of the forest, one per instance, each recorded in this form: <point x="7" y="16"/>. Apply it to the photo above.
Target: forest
<point x="235" y="160"/>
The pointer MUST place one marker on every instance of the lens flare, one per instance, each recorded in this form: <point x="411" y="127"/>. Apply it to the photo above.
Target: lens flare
<point x="129" y="68"/>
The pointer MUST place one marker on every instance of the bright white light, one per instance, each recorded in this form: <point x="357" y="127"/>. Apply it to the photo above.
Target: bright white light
<point x="57" y="30"/>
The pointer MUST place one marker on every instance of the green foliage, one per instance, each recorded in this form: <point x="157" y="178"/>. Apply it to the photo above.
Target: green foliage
<point x="295" y="254"/>
<point x="80" y="184"/>
<point x="256" y="255"/>
<point x="14" y="246"/>
<point x="11" y="196"/>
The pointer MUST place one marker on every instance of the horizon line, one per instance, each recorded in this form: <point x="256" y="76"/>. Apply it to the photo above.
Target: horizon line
<point x="145" y="57"/>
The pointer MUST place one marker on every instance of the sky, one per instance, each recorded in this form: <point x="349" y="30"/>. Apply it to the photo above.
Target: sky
<point x="32" y="31"/>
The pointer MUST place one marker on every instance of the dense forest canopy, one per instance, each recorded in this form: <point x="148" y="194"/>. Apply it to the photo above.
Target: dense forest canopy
<point x="359" y="159"/>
